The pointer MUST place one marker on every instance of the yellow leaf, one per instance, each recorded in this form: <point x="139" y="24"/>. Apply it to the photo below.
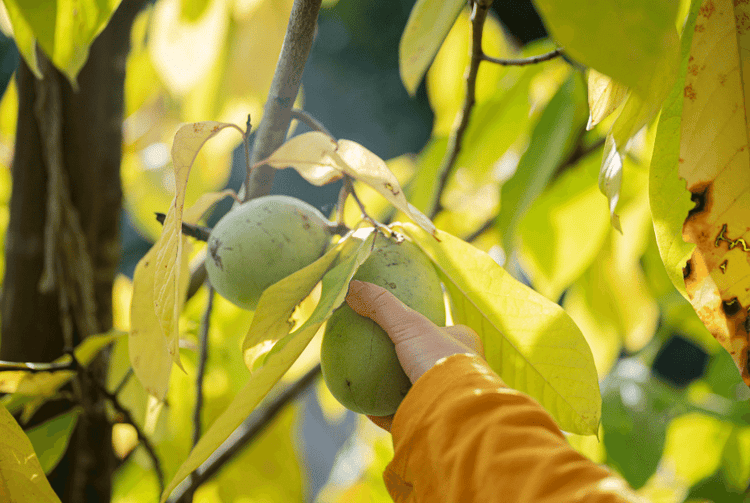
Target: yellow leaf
<point x="21" y="476"/>
<point x="446" y="85"/>
<point x="271" y="320"/>
<point x="320" y="160"/>
<point x="45" y="384"/>
<point x="168" y="258"/>
<point x="182" y="51"/>
<point x="285" y="353"/>
<point x="151" y="350"/>
<point x="428" y="25"/>
<point x="715" y="162"/>
<point x="529" y="341"/>
<point x="605" y="95"/>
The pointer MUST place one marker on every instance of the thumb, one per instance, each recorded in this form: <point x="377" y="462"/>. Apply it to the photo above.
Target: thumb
<point x="381" y="306"/>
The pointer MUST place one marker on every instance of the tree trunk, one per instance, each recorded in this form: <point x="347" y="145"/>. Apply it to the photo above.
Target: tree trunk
<point x="62" y="244"/>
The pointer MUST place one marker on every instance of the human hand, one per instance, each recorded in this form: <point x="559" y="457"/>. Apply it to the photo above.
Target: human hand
<point x="419" y="342"/>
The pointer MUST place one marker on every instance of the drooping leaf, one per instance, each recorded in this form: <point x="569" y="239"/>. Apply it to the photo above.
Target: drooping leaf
<point x="715" y="162"/>
<point x="50" y="439"/>
<point x="626" y="40"/>
<point x="286" y="351"/>
<point x="148" y="343"/>
<point x="168" y="256"/>
<point x="605" y="95"/>
<point x="641" y="106"/>
<point x="272" y="318"/>
<point x="21" y="476"/>
<point x="669" y="199"/>
<point x="551" y="141"/>
<point x="428" y="25"/>
<point x="529" y="341"/>
<point x="64" y="30"/>
<point x="320" y="160"/>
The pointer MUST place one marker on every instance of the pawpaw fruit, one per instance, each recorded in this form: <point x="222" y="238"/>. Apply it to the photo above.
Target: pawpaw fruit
<point x="261" y="242"/>
<point x="358" y="359"/>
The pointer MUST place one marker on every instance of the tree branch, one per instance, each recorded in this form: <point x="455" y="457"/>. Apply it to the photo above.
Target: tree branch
<point x="311" y="122"/>
<point x="478" y="16"/>
<point x="245" y="433"/>
<point x="284" y="88"/>
<point x="202" y="357"/>
<point x="531" y="60"/>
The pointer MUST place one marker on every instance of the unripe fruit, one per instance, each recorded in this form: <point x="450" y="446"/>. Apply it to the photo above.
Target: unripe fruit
<point x="261" y="242"/>
<point x="357" y="357"/>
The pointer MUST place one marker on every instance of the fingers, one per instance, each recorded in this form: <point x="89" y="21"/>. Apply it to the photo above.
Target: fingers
<point x="467" y="337"/>
<point x="382" y="307"/>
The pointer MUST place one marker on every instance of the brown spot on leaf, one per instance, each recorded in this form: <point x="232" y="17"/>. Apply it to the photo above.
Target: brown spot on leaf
<point x="687" y="270"/>
<point x="731" y="307"/>
<point x="690" y="92"/>
<point x="707" y="9"/>
<point x="723" y="266"/>
<point x="701" y="196"/>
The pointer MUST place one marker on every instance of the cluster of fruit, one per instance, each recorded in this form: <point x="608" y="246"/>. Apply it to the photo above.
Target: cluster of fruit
<point x="266" y="239"/>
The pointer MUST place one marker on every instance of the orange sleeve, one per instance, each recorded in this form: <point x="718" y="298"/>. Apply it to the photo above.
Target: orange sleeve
<point x="461" y="435"/>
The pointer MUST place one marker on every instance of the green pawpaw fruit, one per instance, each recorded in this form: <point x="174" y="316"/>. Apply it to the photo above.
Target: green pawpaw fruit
<point x="357" y="357"/>
<point x="261" y="242"/>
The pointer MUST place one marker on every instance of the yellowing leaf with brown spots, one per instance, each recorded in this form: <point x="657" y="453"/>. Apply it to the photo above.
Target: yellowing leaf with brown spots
<point x="21" y="476"/>
<point x="168" y="249"/>
<point x="715" y="162"/>
<point x="148" y="344"/>
<point x="320" y="159"/>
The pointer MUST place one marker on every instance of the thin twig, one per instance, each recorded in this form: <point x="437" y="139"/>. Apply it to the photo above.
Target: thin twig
<point x="311" y="121"/>
<point x="246" y="144"/>
<point x="531" y="60"/>
<point x="194" y="231"/>
<point x="284" y="88"/>
<point x="202" y="358"/>
<point x="489" y="224"/>
<point x="128" y="418"/>
<point x="123" y="381"/>
<point x="38" y="367"/>
<point x="478" y="16"/>
<point x="246" y="433"/>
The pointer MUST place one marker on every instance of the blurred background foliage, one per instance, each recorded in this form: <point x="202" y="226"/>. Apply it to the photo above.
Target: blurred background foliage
<point x="675" y="412"/>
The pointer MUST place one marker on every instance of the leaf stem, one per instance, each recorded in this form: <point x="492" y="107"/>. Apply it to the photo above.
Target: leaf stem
<point x="531" y="60"/>
<point x="311" y="121"/>
<point x="478" y="17"/>
<point x="273" y="128"/>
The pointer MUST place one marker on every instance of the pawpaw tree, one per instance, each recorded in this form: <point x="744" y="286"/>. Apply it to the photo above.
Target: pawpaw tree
<point x="580" y="198"/>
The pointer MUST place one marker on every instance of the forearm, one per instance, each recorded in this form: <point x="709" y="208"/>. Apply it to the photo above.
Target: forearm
<point x="461" y="435"/>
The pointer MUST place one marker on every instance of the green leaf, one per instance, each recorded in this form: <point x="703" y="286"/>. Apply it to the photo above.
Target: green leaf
<point x="624" y="40"/>
<point x="64" y="30"/>
<point x="564" y="229"/>
<point x="551" y="141"/>
<point x="634" y="413"/>
<point x="530" y="342"/>
<point x="736" y="459"/>
<point x="669" y="198"/>
<point x="428" y="25"/>
<point x="50" y="439"/>
<point x="286" y="351"/>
